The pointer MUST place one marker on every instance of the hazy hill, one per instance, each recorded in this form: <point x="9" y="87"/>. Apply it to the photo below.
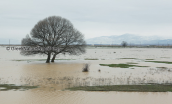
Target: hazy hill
<point x="130" y="38"/>
<point x="12" y="41"/>
<point x="115" y="39"/>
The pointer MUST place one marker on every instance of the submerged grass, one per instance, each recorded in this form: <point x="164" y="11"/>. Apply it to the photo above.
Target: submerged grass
<point x="162" y="67"/>
<point x="6" y="87"/>
<point x="128" y="58"/>
<point x="30" y="60"/>
<point x="149" y="59"/>
<point x="65" y="59"/>
<point x="90" y="59"/>
<point x="121" y="65"/>
<point x="131" y="63"/>
<point x="165" y="62"/>
<point x="129" y="88"/>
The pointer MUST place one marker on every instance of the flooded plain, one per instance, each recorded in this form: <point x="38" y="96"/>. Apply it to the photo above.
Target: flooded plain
<point x="66" y="72"/>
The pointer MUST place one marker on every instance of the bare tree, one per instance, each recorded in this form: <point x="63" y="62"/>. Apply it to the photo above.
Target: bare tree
<point x="56" y="33"/>
<point x="124" y="43"/>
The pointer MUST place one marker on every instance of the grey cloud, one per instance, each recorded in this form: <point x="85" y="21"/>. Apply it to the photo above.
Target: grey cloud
<point x="114" y="16"/>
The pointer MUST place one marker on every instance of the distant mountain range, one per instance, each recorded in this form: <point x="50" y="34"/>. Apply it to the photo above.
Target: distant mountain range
<point x="114" y="39"/>
<point x="11" y="41"/>
<point x="130" y="39"/>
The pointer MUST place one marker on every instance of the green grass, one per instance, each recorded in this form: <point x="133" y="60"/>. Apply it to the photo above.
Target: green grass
<point x="165" y="62"/>
<point x="90" y="59"/>
<point x="128" y="88"/>
<point x="7" y="87"/>
<point x="149" y="59"/>
<point x="162" y="67"/>
<point x="121" y="65"/>
<point x="128" y="58"/>
<point x="131" y="63"/>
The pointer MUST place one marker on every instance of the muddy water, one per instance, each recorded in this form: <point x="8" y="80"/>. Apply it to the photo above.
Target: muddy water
<point x="54" y="77"/>
<point x="79" y="97"/>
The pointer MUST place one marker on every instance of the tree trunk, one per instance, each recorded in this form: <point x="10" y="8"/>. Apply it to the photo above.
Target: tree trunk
<point x="48" y="58"/>
<point x="54" y="56"/>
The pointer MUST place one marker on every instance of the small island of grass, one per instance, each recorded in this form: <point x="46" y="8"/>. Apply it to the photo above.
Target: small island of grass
<point x="165" y="62"/>
<point x="128" y="88"/>
<point x="122" y="65"/>
<point x="6" y="87"/>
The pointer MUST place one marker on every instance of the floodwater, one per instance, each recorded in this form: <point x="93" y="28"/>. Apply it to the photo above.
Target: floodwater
<point x="52" y="78"/>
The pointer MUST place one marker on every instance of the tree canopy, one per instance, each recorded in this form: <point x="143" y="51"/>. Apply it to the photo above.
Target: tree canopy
<point x="56" y="33"/>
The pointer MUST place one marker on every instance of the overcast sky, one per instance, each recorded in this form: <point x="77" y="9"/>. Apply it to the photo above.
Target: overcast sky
<point x="92" y="17"/>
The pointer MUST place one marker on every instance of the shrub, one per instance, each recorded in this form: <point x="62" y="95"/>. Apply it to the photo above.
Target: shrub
<point x="86" y="68"/>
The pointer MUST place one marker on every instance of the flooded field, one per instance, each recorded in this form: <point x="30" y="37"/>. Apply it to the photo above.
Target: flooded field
<point x="66" y="72"/>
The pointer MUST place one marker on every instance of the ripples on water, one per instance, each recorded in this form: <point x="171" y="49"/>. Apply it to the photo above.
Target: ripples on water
<point x="158" y="76"/>
<point x="53" y="78"/>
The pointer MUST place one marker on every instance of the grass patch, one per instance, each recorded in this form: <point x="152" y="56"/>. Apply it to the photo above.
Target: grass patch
<point x="121" y="65"/>
<point x="149" y="59"/>
<point x="128" y="88"/>
<point x="30" y="60"/>
<point x="6" y="87"/>
<point x="165" y="62"/>
<point x="128" y="58"/>
<point x="162" y="67"/>
<point x="19" y="60"/>
<point x="65" y="59"/>
<point x="131" y="63"/>
<point x="90" y="59"/>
